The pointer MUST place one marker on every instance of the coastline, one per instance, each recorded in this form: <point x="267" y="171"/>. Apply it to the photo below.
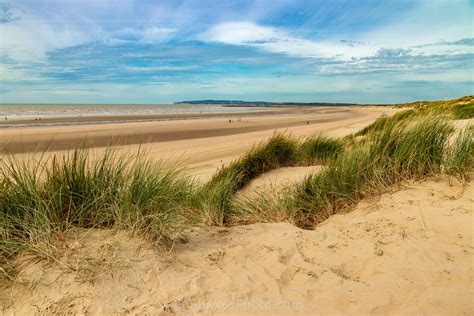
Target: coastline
<point x="107" y="119"/>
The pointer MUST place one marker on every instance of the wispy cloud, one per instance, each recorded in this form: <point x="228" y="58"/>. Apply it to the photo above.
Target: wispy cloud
<point x="468" y="41"/>
<point x="145" y="34"/>
<point x="399" y="60"/>
<point x="278" y="41"/>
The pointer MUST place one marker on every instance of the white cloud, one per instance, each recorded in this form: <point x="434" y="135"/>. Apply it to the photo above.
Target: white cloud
<point x="46" y="28"/>
<point x="278" y="41"/>
<point x="431" y="22"/>
<point x="242" y="33"/>
<point x="27" y="40"/>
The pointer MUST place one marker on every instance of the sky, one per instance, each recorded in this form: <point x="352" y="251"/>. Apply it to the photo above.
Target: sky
<point x="144" y="51"/>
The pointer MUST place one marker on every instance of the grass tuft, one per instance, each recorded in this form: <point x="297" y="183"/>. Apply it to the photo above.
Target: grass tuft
<point x="320" y="150"/>
<point x="457" y="109"/>
<point x="461" y="154"/>
<point x="385" y="122"/>
<point x="412" y="151"/>
<point x="416" y="149"/>
<point x="463" y="111"/>
<point x="42" y="199"/>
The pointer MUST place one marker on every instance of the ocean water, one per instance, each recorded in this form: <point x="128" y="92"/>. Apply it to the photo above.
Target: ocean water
<point x="12" y="112"/>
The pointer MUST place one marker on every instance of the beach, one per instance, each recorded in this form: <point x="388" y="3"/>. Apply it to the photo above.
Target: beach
<point x="199" y="144"/>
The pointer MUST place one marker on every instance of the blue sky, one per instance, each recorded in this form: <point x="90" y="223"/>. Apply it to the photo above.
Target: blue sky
<point x="143" y="51"/>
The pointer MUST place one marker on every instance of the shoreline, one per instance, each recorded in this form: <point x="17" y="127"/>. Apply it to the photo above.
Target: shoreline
<point x="109" y="119"/>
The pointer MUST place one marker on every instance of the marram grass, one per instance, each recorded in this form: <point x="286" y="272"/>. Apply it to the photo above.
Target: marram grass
<point x="460" y="157"/>
<point x="320" y="150"/>
<point x="458" y="109"/>
<point x="416" y="150"/>
<point x="278" y="151"/>
<point x="39" y="199"/>
<point x="384" y="122"/>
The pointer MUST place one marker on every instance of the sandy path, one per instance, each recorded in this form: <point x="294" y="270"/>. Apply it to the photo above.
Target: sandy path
<point x="407" y="252"/>
<point x="199" y="145"/>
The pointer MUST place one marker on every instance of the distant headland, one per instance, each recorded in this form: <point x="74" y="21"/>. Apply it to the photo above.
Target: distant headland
<point x="261" y="103"/>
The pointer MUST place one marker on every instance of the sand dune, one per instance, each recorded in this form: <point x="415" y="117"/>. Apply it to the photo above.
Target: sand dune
<point x="408" y="251"/>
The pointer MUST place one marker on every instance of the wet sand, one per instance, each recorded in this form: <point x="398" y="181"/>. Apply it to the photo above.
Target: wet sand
<point x="64" y="121"/>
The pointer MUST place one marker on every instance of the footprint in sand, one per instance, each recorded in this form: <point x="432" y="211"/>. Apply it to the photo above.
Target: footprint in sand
<point x="214" y="257"/>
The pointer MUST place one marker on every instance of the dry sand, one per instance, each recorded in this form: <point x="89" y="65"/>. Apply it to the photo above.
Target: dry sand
<point x="275" y="180"/>
<point x="406" y="252"/>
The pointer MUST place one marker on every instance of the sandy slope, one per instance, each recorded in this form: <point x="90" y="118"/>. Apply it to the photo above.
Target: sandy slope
<point x="275" y="180"/>
<point x="409" y="251"/>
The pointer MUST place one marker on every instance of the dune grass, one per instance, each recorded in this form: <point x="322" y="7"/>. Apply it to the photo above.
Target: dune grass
<point x="320" y="150"/>
<point x="461" y="153"/>
<point x="393" y="154"/>
<point x="279" y="151"/>
<point x="448" y="103"/>
<point x="415" y="150"/>
<point x="41" y="199"/>
<point x="463" y="111"/>
<point x="385" y="122"/>
<point x="458" y="109"/>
